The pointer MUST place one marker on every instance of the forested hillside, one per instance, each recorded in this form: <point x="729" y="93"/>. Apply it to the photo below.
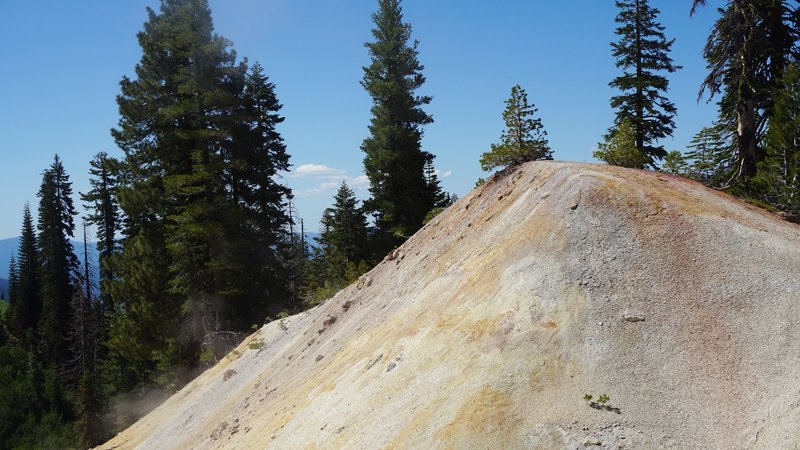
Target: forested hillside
<point x="187" y="237"/>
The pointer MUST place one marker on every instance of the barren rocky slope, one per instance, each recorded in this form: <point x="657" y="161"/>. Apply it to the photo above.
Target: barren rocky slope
<point x="488" y="326"/>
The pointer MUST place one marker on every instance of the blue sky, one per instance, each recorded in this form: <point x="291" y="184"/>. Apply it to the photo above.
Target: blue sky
<point x="63" y="62"/>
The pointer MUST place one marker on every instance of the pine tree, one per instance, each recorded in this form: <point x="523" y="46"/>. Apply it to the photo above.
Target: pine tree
<point x="197" y="130"/>
<point x="143" y="329"/>
<point x="524" y="138"/>
<point x="747" y="52"/>
<point x="344" y="228"/>
<point x="84" y="344"/>
<point x="27" y="308"/>
<point x="438" y="198"/>
<point x="204" y="244"/>
<point x="674" y="163"/>
<point x="58" y="263"/>
<point x="643" y="54"/>
<point x="620" y="149"/>
<point x="394" y="161"/>
<point x="260" y="247"/>
<point x="167" y="137"/>
<point x="101" y="201"/>
<point x="343" y="248"/>
<point x="778" y="177"/>
<point x="709" y="162"/>
<point x="13" y="283"/>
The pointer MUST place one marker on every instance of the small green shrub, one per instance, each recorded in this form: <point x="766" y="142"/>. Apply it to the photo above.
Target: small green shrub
<point x="620" y="149"/>
<point x="600" y="403"/>
<point x="256" y="344"/>
<point x="207" y="356"/>
<point x="432" y="215"/>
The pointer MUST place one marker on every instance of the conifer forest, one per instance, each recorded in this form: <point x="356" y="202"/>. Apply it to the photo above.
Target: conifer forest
<point x="197" y="236"/>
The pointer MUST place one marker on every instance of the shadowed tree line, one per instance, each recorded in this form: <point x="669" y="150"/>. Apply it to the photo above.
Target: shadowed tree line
<point x="196" y="234"/>
<point x="197" y="237"/>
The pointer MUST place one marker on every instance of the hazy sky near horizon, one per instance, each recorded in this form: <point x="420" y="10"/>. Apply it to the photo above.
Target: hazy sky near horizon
<point x="63" y="62"/>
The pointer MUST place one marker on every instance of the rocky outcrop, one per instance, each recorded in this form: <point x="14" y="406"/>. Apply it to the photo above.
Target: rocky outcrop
<point x="493" y="324"/>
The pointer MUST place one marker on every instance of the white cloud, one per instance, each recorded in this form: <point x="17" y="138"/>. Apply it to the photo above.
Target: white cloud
<point x="317" y="171"/>
<point x="361" y="182"/>
<point x="330" y="185"/>
<point x="355" y="183"/>
<point x="441" y="174"/>
<point x="328" y="178"/>
<point x="307" y="192"/>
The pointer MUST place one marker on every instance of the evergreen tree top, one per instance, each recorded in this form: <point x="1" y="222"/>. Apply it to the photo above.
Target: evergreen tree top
<point x="524" y="138"/>
<point x="344" y="227"/>
<point x="642" y="52"/>
<point x="395" y="72"/>
<point x="56" y="211"/>
<point x="184" y="79"/>
<point x="394" y="160"/>
<point x="640" y="33"/>
<point x="27" y="243"/>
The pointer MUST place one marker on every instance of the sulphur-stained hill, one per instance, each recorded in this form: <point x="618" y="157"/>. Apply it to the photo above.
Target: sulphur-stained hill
<point x="490" y="325"/>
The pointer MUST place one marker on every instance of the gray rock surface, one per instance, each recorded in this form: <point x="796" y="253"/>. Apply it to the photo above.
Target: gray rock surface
<point x="488" y="327"/>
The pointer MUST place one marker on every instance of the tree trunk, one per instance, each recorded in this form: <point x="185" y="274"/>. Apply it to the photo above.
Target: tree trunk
<point x="747" y="137"/>
<point x="639" y="94"/>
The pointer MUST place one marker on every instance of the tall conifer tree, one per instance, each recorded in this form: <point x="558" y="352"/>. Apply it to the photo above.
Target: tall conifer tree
<point x="27" y="309"/>
<point x="58" y="263"/>
<point x="168" y="138"/>
<point x="437" y="196"/>
<point x="83" y="336"/>
<point x="747" y="52"/>
<point x="13" y="281"/>
<point x="101" y="202"/>
<point x="394" y="160"/>
<point x="259" y="248"/>
<point x="779" y="174"/>
<point x="643" y="54"/>
<point x="344" y="231"/>
<point x="343" y="248"/>
<point x="204" y="218"/>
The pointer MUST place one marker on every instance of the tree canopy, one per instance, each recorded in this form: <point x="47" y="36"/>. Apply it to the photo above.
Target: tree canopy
<point x="394" y="160"/>
<point x="620" y="149"/>
<point x="642" y="52"/>
<point x="524" y="138"/>
<point x="747" y="52"/>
